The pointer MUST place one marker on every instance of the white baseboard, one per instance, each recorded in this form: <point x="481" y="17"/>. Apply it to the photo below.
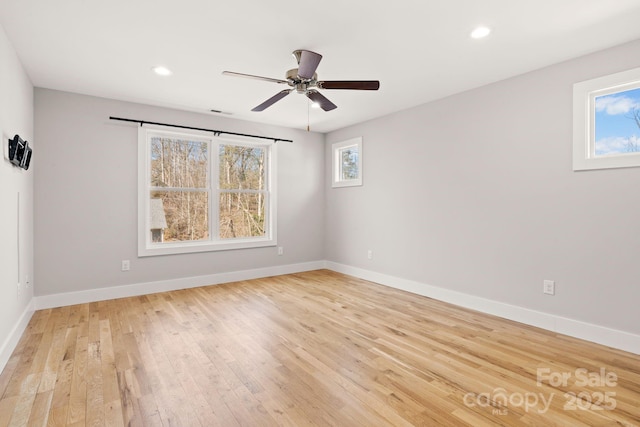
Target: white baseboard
<point x="102" y="294"/>
<point x="12" y="340"/>
<point x="574" y="328"/>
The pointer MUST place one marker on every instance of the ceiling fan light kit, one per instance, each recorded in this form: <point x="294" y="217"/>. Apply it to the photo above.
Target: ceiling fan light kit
<point x="304" y="80"/>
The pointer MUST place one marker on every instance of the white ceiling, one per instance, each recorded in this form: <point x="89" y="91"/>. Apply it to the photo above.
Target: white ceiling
<point x="420" y="50"/>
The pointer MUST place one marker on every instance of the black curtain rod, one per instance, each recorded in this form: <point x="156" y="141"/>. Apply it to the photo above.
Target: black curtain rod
<point x="216" y="132"/>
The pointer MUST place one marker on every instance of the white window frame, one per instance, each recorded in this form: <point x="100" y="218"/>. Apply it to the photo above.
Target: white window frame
<point x="148" y="248"/>
<point x="584" y="95"/>
<point x="336" y="163"/>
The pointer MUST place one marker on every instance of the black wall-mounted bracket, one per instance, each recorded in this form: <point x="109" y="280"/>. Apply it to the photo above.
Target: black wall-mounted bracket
<point x="19" y="152"/>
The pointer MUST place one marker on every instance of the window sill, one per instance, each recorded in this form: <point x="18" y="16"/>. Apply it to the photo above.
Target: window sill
<point x="194" y="247"/>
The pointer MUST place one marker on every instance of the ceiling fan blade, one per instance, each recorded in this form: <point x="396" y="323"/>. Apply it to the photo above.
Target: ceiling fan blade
<point x="275" y="98"/>
<point x="318" y="98"/>
<point x="307" y="63"/>
<point x="350" y="84"/>
<point x="251" y="76"/>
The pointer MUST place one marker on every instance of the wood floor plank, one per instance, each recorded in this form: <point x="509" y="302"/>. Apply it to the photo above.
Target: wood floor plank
<point x="39" y="413"/>
<point x="54" y="358"/>
<point x="95" y="398"/>
<point x="78" y="391"/>
<point x="7" y="406"/>
<point x="25" y="402"/>
<point x="308" y="349"/>
<point x="25" y="353"/>
<point x="113" y="414"/>
<point x="110" y="391"/>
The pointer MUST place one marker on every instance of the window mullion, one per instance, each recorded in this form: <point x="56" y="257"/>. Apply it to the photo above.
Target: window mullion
<point x="214" y="185"/>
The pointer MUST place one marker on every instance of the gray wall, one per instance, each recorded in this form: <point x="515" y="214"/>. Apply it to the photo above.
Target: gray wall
<point x="86" y="196"/>
<point x="475" y="193"/>
<point x="16" y="117"/>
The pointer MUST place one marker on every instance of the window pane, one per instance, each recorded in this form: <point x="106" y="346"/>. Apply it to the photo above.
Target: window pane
<point x="179" y="216"/>
<point x="241" y="215"/>
<point x="242" y="168"/>
<point x="178" y="163"/>
<point x="349" y="163"/>
<point x="617" y="123"/>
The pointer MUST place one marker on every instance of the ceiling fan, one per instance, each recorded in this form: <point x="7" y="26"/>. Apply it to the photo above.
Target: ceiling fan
<point x="304" y="79"/>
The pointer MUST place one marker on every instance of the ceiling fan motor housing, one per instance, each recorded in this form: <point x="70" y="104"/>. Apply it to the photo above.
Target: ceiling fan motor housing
<point x="301" y="85"/>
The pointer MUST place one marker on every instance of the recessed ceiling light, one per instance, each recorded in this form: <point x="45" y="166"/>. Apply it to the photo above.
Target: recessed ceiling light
<point x="161" y="71"/>
<point x="480" y="32"/>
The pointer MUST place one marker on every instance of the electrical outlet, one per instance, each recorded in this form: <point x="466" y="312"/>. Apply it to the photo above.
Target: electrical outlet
<point x="549" y="287"/>
<point x="280" y="250"/>
<point x="369" y="254"/>
<point x="126" y="265"/>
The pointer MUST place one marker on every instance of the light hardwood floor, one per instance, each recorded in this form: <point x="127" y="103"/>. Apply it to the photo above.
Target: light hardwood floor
<point x="316" y="348"/>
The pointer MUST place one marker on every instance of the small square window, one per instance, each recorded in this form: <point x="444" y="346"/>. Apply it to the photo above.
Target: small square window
<point x="606" y="122"/>
<point x="347" y="163"/>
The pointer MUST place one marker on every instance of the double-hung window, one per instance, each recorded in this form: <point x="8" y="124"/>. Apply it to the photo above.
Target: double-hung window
<point x="198" y="192"/>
